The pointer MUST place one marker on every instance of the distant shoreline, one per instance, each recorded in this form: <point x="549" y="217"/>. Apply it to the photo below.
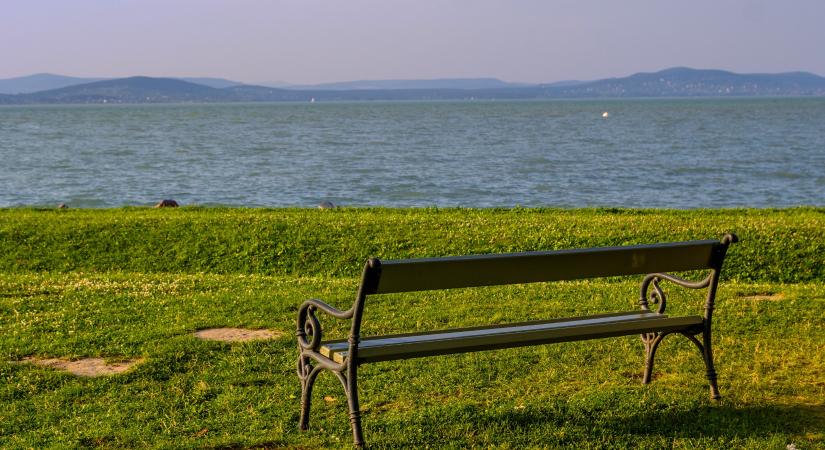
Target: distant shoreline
<point x="445" y="101"/>
<point x="411" y="209"/>
<point x="673" y="82"/>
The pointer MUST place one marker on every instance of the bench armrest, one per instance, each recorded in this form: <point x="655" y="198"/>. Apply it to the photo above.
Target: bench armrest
<point x="309" y="328"/>
<point x="325" y="307"/>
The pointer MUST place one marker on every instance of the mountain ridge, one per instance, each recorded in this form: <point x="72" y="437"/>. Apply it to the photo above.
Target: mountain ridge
<point x="671" y="82"/>
<point x="38" y="82"/>
<point x="689" y="82"/>
<point x="137" y="89"/>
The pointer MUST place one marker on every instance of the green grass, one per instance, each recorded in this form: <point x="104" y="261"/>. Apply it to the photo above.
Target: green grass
<point x="777" y="245"/>
<point x="137" y="283"/>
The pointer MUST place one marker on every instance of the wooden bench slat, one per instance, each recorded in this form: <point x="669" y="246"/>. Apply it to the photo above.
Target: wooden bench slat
<point x="341" y="344"/>
<point x="529" y="267"/>
<point x="414" y="345"/>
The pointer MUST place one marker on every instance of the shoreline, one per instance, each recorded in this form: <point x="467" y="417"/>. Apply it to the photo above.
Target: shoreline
<point x="207" y="207"/>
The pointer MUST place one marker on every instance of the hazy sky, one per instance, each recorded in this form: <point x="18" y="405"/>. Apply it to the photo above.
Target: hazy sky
<point x="308" y="41"/>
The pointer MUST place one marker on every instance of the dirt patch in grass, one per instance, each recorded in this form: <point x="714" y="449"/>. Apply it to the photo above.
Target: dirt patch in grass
<point x="765" y="296"/>
<point x="86" y="367"/>
<point x="236" y="334"/>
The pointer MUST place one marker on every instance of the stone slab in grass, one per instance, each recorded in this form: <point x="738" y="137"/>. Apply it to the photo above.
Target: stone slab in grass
<point x="237" y="334"/>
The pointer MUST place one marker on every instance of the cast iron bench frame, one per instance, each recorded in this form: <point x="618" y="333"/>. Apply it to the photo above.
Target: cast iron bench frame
<point x="342" y="357"/>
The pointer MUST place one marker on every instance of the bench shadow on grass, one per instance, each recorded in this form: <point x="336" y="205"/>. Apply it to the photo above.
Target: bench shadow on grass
<point x="701" y="422"/>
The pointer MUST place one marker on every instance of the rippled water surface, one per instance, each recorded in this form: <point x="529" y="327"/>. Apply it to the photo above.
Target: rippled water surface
<point x="647" y="153"/>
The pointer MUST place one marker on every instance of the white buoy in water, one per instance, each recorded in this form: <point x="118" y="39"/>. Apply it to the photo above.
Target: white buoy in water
<point x="605" y="114"/>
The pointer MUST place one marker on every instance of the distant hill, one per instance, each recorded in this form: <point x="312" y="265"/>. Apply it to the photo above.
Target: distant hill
<point x="439" y="83"/>
<point x="170" y="90"/>
<point x="687" y="82"/>
<point x="130" y="90"/>
<point x="40" y="82"/>
<point x="47" y="81"/>
<point x="675" y="82"/>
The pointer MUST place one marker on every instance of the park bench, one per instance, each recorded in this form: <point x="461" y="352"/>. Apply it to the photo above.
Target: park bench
<point x="343" y="357"/>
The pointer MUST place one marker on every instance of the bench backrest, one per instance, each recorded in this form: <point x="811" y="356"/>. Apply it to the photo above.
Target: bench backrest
<point x="384" y="277"/>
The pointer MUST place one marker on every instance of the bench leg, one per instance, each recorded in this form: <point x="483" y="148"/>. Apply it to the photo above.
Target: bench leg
<point x="307" y="374"/>
<point x="350" y="383"/>
<point x="651" y="341"/>
<point x="707" y="355"/>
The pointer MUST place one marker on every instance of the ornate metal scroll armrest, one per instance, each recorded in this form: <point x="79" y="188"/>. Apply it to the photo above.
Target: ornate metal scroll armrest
<point x="657" y="295"/>
<point x="309" y="328"/>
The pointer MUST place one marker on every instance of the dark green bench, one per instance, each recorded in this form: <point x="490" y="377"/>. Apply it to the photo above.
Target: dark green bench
<point x="342" y="357"/>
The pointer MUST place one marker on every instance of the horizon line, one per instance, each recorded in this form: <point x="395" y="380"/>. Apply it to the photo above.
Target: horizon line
<point x="481" y="77"/>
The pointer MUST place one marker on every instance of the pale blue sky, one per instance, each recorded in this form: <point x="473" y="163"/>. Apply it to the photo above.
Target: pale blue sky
<point x="309" y="41"/>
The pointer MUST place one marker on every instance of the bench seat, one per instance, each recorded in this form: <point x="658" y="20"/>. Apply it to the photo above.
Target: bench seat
<point x="461" y="340"/>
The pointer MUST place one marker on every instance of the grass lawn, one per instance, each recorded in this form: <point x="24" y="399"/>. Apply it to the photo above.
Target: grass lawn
<point x="191" y="393"/>
<point x="187" y="393"/>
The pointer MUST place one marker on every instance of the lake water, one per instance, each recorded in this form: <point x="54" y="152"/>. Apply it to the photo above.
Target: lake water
<point x="647" y="153"/>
